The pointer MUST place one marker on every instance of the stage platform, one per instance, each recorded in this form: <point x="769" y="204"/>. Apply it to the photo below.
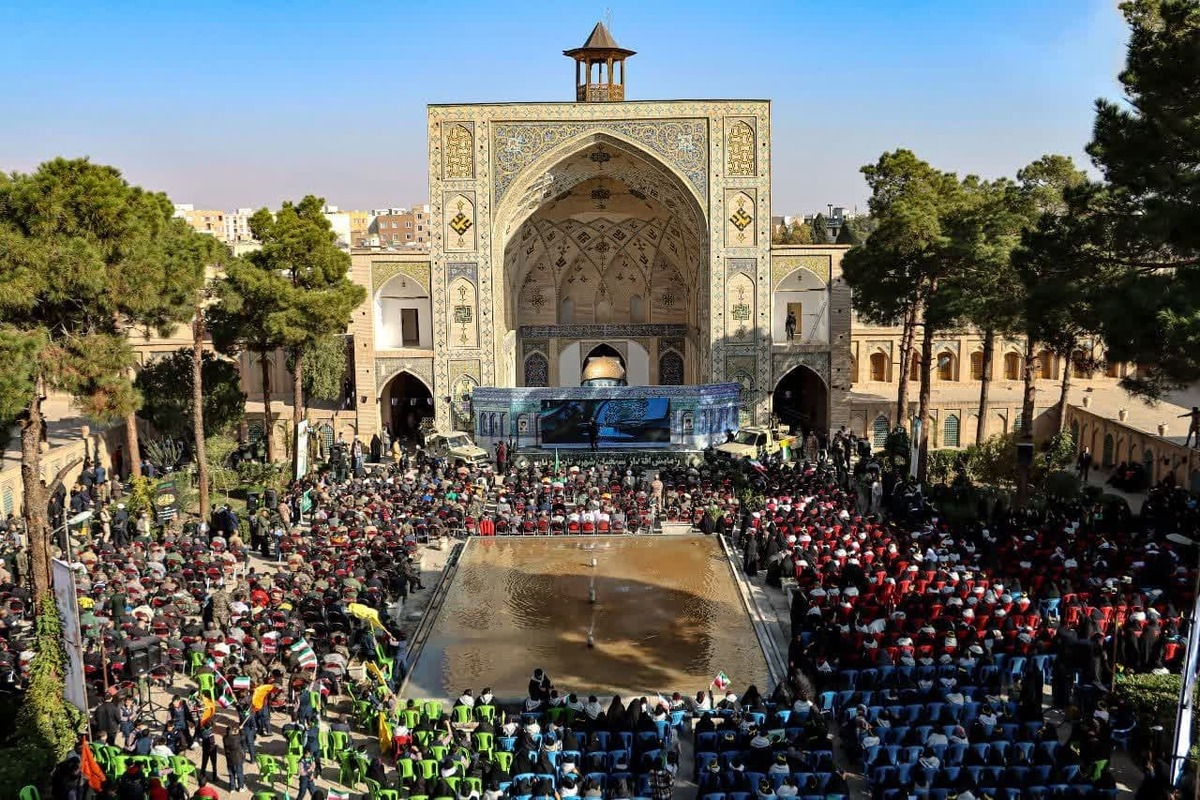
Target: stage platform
<point x="632" y="456"/>
<point x="663" y="419"/>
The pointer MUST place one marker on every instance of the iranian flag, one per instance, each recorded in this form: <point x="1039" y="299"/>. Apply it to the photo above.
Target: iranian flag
<point x="721" y="681"/>
<point x="304" y="655"/>
<point x="334" y="794"/>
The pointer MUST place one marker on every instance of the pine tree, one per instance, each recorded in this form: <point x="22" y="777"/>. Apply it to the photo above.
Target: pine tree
<point x="897" y="273"/>
<point x="1148" y="217"/>
<point x="81" y="260"/>
<point x="290" y="294"/>
<point x="820" y="230"/>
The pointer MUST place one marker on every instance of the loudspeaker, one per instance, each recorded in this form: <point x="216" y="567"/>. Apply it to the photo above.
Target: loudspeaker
<point x="142" y="656"/>
<point x="252" y="499"/>
<point x="271" y="499"/>
<point x="1024" y="454"/>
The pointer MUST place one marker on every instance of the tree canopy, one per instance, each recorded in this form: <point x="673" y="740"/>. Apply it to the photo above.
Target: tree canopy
<point x="1146" y="221"/>
<point x="166" y="386"/>
<point x="83" y="258"/>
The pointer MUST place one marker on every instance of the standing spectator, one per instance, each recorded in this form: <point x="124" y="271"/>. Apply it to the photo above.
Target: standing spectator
<point x="108" y="719"/>
<point x="1084" y="464"/>
<point x="235" y="757"/>
<point x="308" y="776"/>
<point x="662" y="782"/>
<point x="208" y="749"/>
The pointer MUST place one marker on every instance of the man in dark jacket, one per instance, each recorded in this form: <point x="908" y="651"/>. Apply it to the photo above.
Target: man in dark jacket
<point x="235" y="758"/>
<point x="108" y="720"/>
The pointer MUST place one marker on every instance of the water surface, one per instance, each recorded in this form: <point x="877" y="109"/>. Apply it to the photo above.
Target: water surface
<point x="667" y="617"/>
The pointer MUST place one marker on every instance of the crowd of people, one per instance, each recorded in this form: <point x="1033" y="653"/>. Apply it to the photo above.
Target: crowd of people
<point x="923" y="648"/>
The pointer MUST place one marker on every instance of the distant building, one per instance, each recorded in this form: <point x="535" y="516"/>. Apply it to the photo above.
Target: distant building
<point x="400" y="227"/>
<point x="208" y="221"/>
<point x="237" y="226"/>
<point x="340" y="222"/>
<point x="360" y="227"/>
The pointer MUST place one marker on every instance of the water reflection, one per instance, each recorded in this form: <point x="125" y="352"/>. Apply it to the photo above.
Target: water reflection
<point x="667" y="616"/>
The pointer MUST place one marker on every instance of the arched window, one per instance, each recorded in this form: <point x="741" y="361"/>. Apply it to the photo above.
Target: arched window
<point x="254" y="430"/>
<point x="566" y="314"/>
<point x="670" y="369"/>
<point x="977" y="366"/>
<point x="879" y="431"/>
<point x="637" y="309"/>
<point x="879" y="367"/>
<point x="946" y="367"/>
<point x="914" y="367"/>
<point x="950" y="431"/>
<point x="326" y="434"/>
<point x="1109" y="445"/>
<point x="853" y="369"/>
<point x="537" y="370"/>
<point x="1012" y="366"/>
<point x="1045" y="364"/>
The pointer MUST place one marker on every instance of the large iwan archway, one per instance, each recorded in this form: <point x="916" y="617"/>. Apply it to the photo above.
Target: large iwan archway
<point x="801" y="401"/>
<point x="610" y="245"/>
<point x="404" y="403"/>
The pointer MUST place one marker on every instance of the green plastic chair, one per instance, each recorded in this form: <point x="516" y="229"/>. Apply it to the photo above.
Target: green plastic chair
<point x="373" y="788"/>
<point x="291" y="768"/>
<point x="484" y="741"/>
<point x="208" y="684"/>
<point x="30" y="793"/>
<point x="419" y="797"/>
<point x="485" y="713"/>
<point x="503" y="760"/>
<point x="423" y="737"/>
<point x="295" y="739"/>
<point x="405" y="767"/>
<point x="387" y="794"/>
<point x="268" y="768"/>
<point x="439" y="751"/>
<point x="433" y="710"/>
<point x="118" y="765"/>
<point x="339" y="742"/>
<point x="411" y="717"/>
<point x="182" y="767"/>
<point x="350" y="770"/>
<point x="265" y="796"/>
<point x="553" y="714"/>
<point x="476" y="784"/>
<point x="195" y="661"/>
<point x="428" y="768"/>
<point x="453" y="782"/>
<point x="461" y="715"/>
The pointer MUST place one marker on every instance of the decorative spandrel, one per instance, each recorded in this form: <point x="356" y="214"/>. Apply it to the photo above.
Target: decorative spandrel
<point x="460" y="153"/>
<point x="740" y="150"/>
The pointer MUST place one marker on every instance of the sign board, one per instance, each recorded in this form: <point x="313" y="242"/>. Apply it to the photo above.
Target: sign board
<point x="166" y="501"/>
<point x="301" y="450"/>
<point x="67" y="602"/>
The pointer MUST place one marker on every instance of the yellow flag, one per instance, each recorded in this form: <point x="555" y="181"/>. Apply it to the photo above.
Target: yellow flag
<point x="374" y="670"/>
<point x="385" y="735"/>
<point x="365" y="612"/>
<point x="210" y="708"/>
<point x="259" y="698"/>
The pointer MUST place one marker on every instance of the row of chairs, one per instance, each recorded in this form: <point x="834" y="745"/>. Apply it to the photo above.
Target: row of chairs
<point x="952" y="755"/>
<point x="1021" y="776"/>
<point x="1025" y="793"/>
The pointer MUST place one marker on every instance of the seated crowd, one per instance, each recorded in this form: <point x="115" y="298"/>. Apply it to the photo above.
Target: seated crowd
<point x="924" y="647"/>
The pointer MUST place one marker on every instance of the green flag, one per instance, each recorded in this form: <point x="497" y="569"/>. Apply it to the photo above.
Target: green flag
<point x="306" y="501"/>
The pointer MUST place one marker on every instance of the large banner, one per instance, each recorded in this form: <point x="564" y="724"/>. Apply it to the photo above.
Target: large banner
<point x="612" y="421"/>
<point x="63" y="579"/>
<point x="301" y="450"/>
<point x="166" y="501"/>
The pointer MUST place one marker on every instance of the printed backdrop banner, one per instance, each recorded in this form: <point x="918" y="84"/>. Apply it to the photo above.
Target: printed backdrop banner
<point x="166" y="501"/>
<point x="67" y="602"/>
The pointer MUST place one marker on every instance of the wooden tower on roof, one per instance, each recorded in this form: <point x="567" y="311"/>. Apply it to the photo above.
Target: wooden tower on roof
<point x="595" y="63"/>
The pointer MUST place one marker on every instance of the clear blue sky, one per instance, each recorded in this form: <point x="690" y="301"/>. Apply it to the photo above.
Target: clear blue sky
<point x="226" y="104"/>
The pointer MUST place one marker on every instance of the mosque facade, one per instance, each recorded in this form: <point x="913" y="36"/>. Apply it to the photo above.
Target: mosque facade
<point x="634" y="231"/>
